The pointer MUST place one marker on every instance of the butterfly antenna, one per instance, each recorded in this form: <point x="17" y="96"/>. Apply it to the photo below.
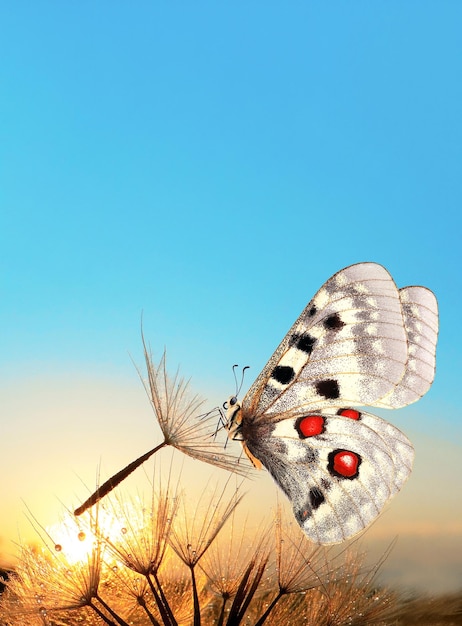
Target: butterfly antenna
<point x="235" y="378"/>
<point x="238" y="389"/>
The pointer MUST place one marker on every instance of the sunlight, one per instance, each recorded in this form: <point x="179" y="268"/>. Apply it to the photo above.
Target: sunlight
<point x="76" y="539"/>
<point x="73" y="542"/>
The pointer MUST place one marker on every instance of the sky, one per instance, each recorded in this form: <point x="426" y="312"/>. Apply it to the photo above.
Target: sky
<point x="204" y="167"/>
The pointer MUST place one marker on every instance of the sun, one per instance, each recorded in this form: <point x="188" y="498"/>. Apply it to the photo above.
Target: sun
<point x="76" y="539"/>
<point x="72" y="541"/>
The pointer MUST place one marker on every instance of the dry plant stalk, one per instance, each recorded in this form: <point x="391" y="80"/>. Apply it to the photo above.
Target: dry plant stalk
<point x="182" y="426"/>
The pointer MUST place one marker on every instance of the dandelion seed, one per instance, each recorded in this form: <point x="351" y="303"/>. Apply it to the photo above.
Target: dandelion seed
<point x="177" y="412"/>
<point x="191" y="539"/>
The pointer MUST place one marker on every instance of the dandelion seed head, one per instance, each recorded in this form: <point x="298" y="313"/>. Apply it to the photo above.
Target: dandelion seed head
<point x="178" y="412"/>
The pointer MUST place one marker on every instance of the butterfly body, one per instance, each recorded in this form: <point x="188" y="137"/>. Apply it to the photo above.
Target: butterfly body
<point x="359" y="342"/>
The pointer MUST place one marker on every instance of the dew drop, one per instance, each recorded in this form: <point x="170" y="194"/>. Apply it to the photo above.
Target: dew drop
<point x="123" y="531"/>
<point x="43" y="611"/>
<point x="81" y="536"/>
<point x="58" y="547"/>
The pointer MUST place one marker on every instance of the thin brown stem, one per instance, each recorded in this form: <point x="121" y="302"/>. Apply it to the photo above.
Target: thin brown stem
<point x="106" y="606"/>
<point x="265" y="615"/>
<point x="197" y="608"/>
<point x="142" y="602"/>
<point x="167" y="616"/>
<point x="221" y="617"/>
<point x="101" y="614"/>
<point x="164" y="599"/>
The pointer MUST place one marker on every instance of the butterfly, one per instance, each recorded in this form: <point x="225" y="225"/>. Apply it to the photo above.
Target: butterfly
<point x="361" y="341"/>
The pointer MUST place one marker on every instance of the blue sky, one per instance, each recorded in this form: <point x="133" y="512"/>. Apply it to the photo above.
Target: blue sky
<point x="210" y="165"/>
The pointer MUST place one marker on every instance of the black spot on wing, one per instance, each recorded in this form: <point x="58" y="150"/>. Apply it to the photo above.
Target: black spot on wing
<point x="284" y="374"/>
<point x="304" y="342"/>
<point x="333" y="322"/>
<point x="316" y="498"/>
<point x="328" y="388"/>
<point x="312" y="311"/>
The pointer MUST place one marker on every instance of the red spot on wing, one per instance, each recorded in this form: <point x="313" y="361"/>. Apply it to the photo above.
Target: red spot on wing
<point x="310" y="426"/>
<point x="345" y="463"/>
<point x="351" y="413"/>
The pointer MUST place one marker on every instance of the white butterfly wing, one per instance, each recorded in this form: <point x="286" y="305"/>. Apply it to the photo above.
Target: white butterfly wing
<point x="360" y="341"/>
<point x="333" y="499"/>
<point x="420" y="317"/>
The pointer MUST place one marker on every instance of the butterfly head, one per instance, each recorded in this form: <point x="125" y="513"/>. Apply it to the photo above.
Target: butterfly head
<point x="234" y="426"/>
<point x="233" y="417"/>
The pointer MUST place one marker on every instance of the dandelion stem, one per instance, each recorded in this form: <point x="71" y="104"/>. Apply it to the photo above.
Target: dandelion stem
<point x="265" y="615"/>
<point x="110" y="484"/>
<point x="164" y="600"/>
<point x="118" y="619"/>
<point x="221" y="617"/>
<point x="197" y="609"/>
<point x="101" y="614"/>
<point x="166" y="614"/>
<point x="142" y="602"/>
